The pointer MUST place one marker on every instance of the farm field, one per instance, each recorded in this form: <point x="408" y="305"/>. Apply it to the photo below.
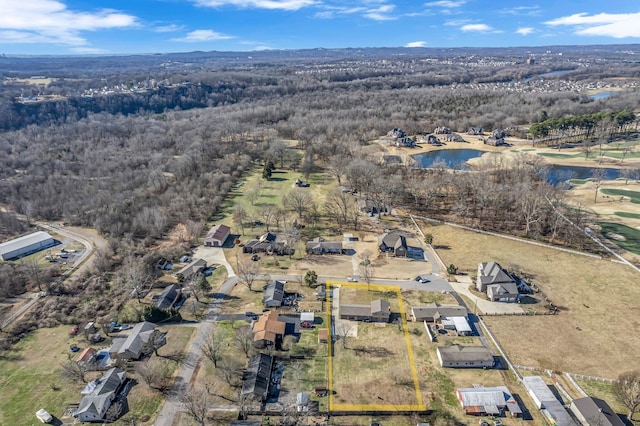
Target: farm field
<point x="585" y="289"/>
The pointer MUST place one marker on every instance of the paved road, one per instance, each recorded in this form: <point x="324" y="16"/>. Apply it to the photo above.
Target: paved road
<point x="172" y="404"/>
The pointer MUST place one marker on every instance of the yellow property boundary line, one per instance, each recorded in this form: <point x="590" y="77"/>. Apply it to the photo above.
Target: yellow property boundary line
<point x="414" y="373"/>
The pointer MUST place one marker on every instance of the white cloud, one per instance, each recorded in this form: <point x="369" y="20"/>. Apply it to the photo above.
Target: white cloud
<point x="198" y="36"/>
<point x="49" y="21"/>
<point x="604" y="24"/>
<point x="447" y="4"/>
<point x="171" y="28"/>
<point x="259" y="4"/>
<point x="522" y="11"/>
<point x="456" y="22"/>
<point x="481" y="28"/>
<point x="382" y="13"/>
<point x="416" y="44"/>
<point x="524" y="31"/>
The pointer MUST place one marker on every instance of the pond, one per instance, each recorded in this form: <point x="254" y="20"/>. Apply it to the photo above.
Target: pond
<point x="456" y="158"/>
<point x="602" y="95"/>
<point x="453" y="158"/>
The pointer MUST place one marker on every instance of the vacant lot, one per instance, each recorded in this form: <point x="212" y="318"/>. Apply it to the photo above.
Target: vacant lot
<point x="588" y="291"/>
<point x="376" y="369"/>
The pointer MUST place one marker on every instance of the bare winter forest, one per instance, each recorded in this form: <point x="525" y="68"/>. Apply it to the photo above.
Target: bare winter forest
<point x="135" y="146"/>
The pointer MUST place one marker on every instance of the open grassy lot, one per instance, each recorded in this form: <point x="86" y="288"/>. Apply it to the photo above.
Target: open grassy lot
<point x="588" y="291"/>
<point x="372" y="369"/>
<point x="634" y="196"/>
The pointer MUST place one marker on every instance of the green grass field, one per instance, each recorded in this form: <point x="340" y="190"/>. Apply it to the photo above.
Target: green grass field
<point x="631" y="236"/>
<point x="628" y="215"/>
<point x="634" y="195"/>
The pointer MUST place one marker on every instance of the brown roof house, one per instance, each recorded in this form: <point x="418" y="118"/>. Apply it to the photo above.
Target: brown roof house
<point x="457" y="356"/>
<point x="376" y="311"/>
<point x="593" y="411"/>
<point x="496" y="282"/>
<point x="268" y="330"/>
<point x="394" y="243"/>
<point x="217" y="236"/>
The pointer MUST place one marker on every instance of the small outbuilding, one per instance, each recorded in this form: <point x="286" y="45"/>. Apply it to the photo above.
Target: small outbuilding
<point x="44" y="416"/>
<point x="217" y="236"/>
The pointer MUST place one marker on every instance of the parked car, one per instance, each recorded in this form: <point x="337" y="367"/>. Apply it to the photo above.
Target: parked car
<point x="74" y="330"/>
<point x="255" y="257"/>
<point x="352" y="280"/>
<point x="497" y="423"/>
<point x="74" y="348"/>
<point x="306" y="324"/>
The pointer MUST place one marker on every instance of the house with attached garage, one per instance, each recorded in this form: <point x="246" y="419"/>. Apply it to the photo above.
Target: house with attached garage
<point x="320" y="246"/>
<point x="457" y="356"/>
<point x="194" y="267"/>
<point x="497" y="283"/>
<point x="268" y="330"/>
<point x="393" y="243"/>
<point x="434" y="312"/>
<point x="132" y="346"/>
<point x="274" y="294"/>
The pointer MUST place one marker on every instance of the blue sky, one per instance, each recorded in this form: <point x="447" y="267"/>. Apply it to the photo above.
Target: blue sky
<point x="149" y="26"/>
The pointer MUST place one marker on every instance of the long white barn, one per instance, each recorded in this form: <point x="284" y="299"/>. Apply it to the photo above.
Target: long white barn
<point x="26" y="245"/>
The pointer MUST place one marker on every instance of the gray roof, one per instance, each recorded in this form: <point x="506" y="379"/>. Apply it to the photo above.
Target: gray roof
<point x="136" y="340"/>
<point x="394" y="240"/>
<point x="274" y="291"/>
<point x="102" y="394"/>
<point x="502" y="289"/>
<point x="168" y="297"/>
<point x="537" y="386"/>
<point x="194" y="266"/>
<point x="492" y="273"/>
<point x="24" y="241"/>
<point x="434" y="310"/>
<point x="380" y="306"/>
<point x="596" y="412"/>
<point x="317" y="244"/>
<point x="258" y="375"/>
<point x="458" y="353"/>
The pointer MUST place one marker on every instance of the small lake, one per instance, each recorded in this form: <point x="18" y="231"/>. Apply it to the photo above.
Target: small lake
<point x="453" y="158"/>
<point x="456" y="158"/>
<point x="602" y="95"/>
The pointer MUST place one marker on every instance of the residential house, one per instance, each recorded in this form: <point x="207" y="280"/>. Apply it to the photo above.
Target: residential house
<point x="132" y="346"/>
<point x="503" y="292"/>
<point x="442" y="130"/>
<point x="274" y="294"/>
<point x="494" y="401"/>
<point x="545" y="400"/>
<point x="257" y="377"/>
<point x="376" y="311"/>
<point x="322" y="292"/>
<point x="394" y="243"/>
<point x="397" y="133"/>
<point x="267" y="244"/>
<point x="476" y="131"/>
<point x="453" y="137"/>
<point x="406" y="142"/>
<point x="194" y="267"/>
<point x="268" y="330"/>
<point x="320" y="246"/>
<point x="499" y="133"/>
<point x="434" y="313"/>
<point x="433" y="140"/>
<point x="94" y="406"/>
<point x="457" y="356"/>
<point x="217" y="236"/>
<point x="593" y="411"/>
<point x="86" y="356"/>
<point x="169" y="297"/>
<point x="490" y="273"/>
<point x="493" y="141"/>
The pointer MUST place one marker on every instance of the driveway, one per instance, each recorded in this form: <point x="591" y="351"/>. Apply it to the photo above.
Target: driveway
<point x="485" y="306"/>
<point x="214" y="256"/>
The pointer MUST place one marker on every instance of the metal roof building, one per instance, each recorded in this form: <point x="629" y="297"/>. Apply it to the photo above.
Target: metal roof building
<point x="26" y="245"/>
<point x="547" y="402"/>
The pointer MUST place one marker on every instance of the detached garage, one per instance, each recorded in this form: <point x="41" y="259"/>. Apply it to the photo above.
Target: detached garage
<point x="26" y="245"/>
